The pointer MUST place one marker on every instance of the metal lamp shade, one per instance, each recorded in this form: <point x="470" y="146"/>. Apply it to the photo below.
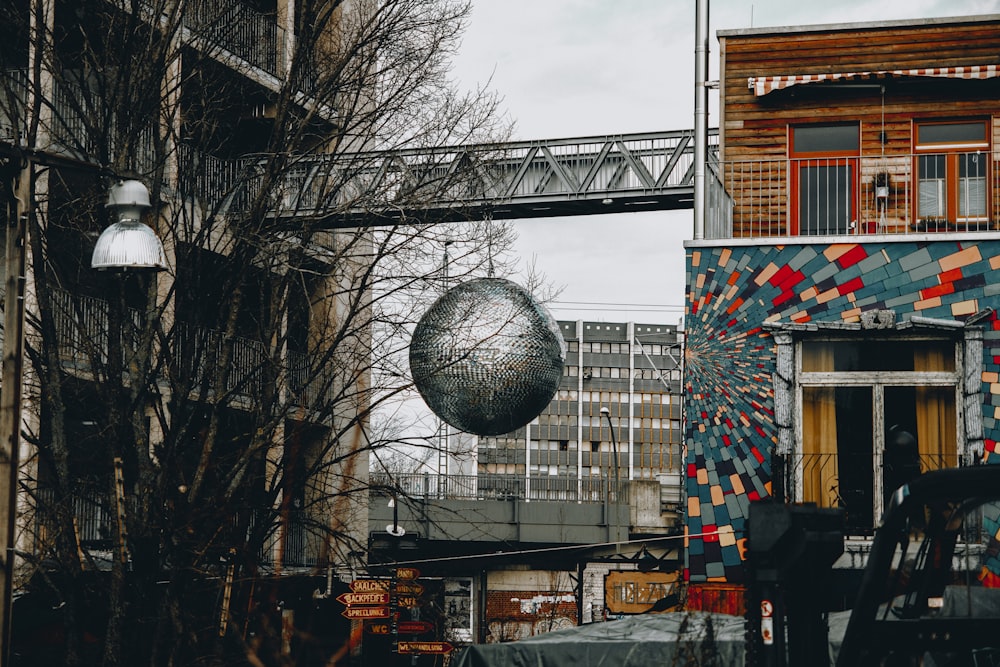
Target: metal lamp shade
<point x="486" y="357"/>
<point x="128" y="244"/>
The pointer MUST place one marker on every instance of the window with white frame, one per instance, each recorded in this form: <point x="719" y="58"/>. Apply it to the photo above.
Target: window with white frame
<point x="874" y="413"/>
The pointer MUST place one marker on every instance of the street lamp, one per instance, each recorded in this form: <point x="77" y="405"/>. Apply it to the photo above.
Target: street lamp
<point x="125" y="244"/>
<point x="614" y="443"/>
<point x="606" y="413"/>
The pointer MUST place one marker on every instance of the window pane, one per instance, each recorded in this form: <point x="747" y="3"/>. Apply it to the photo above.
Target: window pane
<point x="837" y="447"/>
<point x="920" y="434"/>
<point x="931" y="186"/>
<point x="878" y="355"/>
<point x="824" y="198"/>
<point x="825" y="139"/>
<point x="931" y="193"/>
<point x="972" y="185"/>
<point x="951" y="133"/>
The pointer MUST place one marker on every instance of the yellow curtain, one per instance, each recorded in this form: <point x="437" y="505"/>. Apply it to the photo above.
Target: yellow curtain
<point x="819" y="432"/>
<point x="936" y="415"/>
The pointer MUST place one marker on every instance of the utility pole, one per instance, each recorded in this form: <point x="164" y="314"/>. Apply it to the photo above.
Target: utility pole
<point x="17" y="176"/>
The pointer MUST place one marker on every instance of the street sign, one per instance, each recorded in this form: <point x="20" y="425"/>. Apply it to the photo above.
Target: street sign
<point x="407" y="573"/>
<point x="407" y="601"/>
<point x="365" y="612"/>
<point x="375" y="585"/>
<point x="402" y="628"/>
<point x="424" y="647"/>
<point x="369" y="585"/>
<point x="354" y="599"/>
<point x="409" y="588"/>
<point x="414" y="627"/>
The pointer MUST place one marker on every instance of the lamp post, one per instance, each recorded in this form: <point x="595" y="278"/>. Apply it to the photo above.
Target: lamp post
<point x="126" y="244"/>
<point x="606" y="413"/>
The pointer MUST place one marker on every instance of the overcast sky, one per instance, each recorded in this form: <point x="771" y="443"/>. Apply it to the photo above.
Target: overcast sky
<point x="569" y="68"/>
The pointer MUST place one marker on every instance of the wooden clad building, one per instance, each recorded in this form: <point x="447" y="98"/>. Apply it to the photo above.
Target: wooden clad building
<point x="845" y="293"/>
<point x="844" y="128"/>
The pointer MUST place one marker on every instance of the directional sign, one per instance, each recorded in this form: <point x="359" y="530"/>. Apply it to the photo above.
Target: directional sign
<point x="365" y="612"/>
<point x="369" y="585"/>
<point x="377" y="628"/>
<point x="356" y="599"/>
<point x="407" y="573"/>
<point x="375" y="585"/>
<point x="407" y="601"/>
<point x="424" y="647"/>
<point x="414" y="627"/>
<point x="409" y="588"/>
<point x="402" y="628"/>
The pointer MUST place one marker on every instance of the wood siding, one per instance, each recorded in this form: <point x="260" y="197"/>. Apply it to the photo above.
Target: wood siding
<point x="756" y="128"/>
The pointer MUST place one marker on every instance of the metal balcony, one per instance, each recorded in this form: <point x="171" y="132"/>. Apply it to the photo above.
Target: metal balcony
<point x="860" y="196"/>
<point x="851" y="481"/>
<point x="547" y="488"/>
<point x="228" y="29"/>
<point x="83" y="339"/>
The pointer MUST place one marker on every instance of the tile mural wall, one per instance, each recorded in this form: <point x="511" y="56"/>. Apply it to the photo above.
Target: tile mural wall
<point x="729" y="399"/>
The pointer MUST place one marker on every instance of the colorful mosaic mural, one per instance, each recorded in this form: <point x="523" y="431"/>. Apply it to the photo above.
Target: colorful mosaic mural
<point x="729" y="406"/>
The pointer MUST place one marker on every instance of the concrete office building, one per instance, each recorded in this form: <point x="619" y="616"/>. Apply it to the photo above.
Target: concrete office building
<point x="630" y="370"/>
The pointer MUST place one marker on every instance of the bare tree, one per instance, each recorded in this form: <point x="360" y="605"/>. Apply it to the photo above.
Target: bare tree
<point x="194" y="431"/>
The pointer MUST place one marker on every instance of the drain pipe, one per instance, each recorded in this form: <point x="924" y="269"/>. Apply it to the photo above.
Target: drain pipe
<point x="700" y="115"/>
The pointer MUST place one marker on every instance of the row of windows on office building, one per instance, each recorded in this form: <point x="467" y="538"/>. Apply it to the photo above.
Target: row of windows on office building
<point x="561" y="458"/>
<point x="651" y="349"/>
<point x="616" y="373"/>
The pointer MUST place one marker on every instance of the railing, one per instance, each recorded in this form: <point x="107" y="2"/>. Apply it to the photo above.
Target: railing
<point x="899" y="194"/>
<point x="849" y="481"/>
<point x="631" y="171"/>
<point x="295" y="538"/>
<point x="13" y="100"/>
<point x="292" y="539"/>
<point x="82" y="333"/>
<point x="72" y="122"/>
<point x="500" y="487"/>
<point x="197" y="350"/>
<point x="82" y="328"/>
<point x="91" y="510"/>
<point x="245" y="33"/>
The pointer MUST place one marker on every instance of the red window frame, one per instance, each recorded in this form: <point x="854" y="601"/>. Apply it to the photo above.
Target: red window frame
<point x="804" y="163"/>
<point x="952" y="152"/>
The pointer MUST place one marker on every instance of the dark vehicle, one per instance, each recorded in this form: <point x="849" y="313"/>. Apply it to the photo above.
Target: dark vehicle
<point x="922" y="599"/>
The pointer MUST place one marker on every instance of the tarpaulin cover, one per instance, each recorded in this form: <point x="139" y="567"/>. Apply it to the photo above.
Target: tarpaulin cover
<point x="649" y="640"/>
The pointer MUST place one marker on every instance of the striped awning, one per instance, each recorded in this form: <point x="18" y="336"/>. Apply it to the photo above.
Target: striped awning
<point x="762" y="85"/>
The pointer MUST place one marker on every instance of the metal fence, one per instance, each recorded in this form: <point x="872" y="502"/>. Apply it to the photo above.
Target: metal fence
<point x="898" y="194"/>
<point x="501" y="487"/>
<point x="82" y="333"/>
<point x="241" y="31"/>
<point x="849" y="481"/>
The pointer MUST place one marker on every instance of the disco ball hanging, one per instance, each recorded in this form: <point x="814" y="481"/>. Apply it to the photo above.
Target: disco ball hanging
<point x="486" y="357"/>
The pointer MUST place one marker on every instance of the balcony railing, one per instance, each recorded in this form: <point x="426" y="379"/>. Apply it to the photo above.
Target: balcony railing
<point x="92" y="512"/>
<point x="243" y="32"/>
<point x="859" y="196"/>
<point x="501" y="487"/>
<point x="72" y="125"/>
<point x="849" y="482"/>
<point x="83" y="338"/>
<point x="291" y="539"/>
